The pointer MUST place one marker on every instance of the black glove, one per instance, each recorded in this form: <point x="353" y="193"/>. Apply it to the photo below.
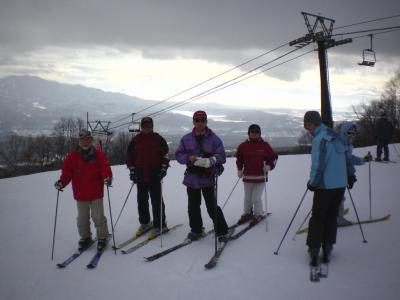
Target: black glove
<point x="59" y="185"/>
<point x="311" y="187"/>
<point x="368" y="157"/>
<point x="350" y="181"/>
<point x="162" y="173"/>
<point x="132" y="175"/>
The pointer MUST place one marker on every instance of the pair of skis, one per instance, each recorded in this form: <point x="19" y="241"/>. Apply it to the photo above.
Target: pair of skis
<point x="93" y="262"/>
<point x="214" y="259"/>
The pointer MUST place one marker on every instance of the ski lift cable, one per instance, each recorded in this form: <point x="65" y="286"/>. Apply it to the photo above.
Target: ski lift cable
<point x="205" y="81"/>
<point x="365" y="22"/>
<point x="222" y="84"/>
<point x="238" y="81"/>
<point x="367" y="30"/>
<point x="218" y="87"/>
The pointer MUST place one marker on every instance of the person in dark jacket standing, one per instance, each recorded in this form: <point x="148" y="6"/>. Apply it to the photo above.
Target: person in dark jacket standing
<point x="88" y="170"/>
<point x="203" y="153"/>
<point x="384" y="133"/>
<point x="328" y="180"/>
<point x="147" y="160"/>
<point x="254" y="158"/>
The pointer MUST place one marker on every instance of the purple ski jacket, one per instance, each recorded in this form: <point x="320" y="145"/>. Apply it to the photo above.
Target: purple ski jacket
<point x="203" y="146"/>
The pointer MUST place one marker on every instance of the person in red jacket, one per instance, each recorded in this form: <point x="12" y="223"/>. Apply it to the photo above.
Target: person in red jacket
<point x="254" y="158"/>
<point x="88" y="170"/>
<point x="147" y="160"/>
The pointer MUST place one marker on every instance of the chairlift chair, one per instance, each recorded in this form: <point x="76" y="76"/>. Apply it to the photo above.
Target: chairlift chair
<point x="368" y="56"/>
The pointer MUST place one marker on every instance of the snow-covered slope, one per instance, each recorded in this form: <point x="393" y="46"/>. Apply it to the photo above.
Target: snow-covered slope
<point x="248" y="269"/>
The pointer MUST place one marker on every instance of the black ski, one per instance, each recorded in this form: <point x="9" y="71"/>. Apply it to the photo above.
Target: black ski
<point x="146" y="241"/>
<point x="169" y="250"/>
<point x="74" y="256"/>
<point x="247" y="228"/>
<point x="384" y="218"/>
<point x="214" y="259"/>
<point x="96" y="258"/>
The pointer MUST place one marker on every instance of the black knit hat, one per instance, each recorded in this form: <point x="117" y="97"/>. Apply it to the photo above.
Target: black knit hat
<point x="313" y="117"/>
<point x="146" y="122"/>
<point x="254" y="128"/>
<point x="84" y="134"/>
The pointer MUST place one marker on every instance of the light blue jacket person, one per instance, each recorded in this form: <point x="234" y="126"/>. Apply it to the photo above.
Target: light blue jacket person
<point x="328" y="161"/>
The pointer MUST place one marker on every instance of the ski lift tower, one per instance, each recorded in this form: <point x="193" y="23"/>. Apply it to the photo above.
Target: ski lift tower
<point x="100" y="131"/>
<point x="320" y="32"/>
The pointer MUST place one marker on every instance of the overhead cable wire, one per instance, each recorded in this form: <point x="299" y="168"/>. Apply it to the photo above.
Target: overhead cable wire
<point x="367" y="30"/>
<point x="205" y="81"/>
<point x="224" y="85"/>
<point x="365" y="22"/>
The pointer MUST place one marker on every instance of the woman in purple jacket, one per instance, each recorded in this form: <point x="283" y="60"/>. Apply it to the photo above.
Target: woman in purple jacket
<point x="203" y="154"/>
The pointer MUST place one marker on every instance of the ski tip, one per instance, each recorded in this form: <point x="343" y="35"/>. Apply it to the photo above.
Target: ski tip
<point x="61" y="266"/>
<point x="90" y="266"/>
<point x="210" y="265"/>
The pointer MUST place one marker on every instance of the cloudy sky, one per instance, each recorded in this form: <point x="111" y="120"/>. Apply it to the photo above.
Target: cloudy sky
<point x="155" y="49"/>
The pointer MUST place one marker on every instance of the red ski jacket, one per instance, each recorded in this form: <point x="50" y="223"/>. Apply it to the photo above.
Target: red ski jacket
<point x="147" y="153"/>
<point x="250" y="158"/>
<point x="87" y="170"/>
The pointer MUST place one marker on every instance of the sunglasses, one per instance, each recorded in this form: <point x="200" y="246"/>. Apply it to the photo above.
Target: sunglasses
<point x="200" y="120"/>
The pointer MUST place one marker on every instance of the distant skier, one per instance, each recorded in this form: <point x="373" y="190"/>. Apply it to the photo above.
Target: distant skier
<point x="203" y="154"/>
<point x="328" y="180"/>
<point x="88" y="170"/>
<point x="348" y="131"/>
<point x="254" y="158"/>
<point x="384" y="132"/>
<point x="147" y="160"/>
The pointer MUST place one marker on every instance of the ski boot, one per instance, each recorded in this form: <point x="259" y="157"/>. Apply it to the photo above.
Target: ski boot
<point x="245" y="218"/>
<point x="143" y="228"/>
<point x="84" y="243"/>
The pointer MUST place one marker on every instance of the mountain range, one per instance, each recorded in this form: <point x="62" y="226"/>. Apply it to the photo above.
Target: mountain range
<point x="29" y="105"/>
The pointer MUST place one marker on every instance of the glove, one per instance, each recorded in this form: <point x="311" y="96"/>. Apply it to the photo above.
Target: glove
<point x="59" y="185"/>
<point x="368" y="157"/>
<point x="311" y="187"/>
<point x="205" y="162"/>
<point x="350" y="181"/>
<point x="108" y="181"/>
<point x="266" y="168"/>
<point x="133" y="176"/>
<point x="162" y="173"/>
<point x="240" y="173"/>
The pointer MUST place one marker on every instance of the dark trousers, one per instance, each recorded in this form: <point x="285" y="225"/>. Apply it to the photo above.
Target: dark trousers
<point x="194" y="202"/>
<point x="385" y="145"/>
<point x="143" y="191"/>
<point x="322" y="225"/>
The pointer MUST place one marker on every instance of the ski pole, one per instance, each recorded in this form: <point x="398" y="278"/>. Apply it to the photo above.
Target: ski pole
<point x="216" y="213"/>
<point x="358" y="219"/>
<point x="290" y="224"/>
<point x="226" y="201"/>
<point x="161" y="210"/>
<point x="301" y="225"/>
<point x="123" y="206"/>
<point x="111" y="219"/>
<point x="55" y="224"/>
<point x="369" y="182"/>
<point x="265" y="195"/>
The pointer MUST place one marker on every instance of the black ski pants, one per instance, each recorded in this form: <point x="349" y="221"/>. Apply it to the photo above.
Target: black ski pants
<point x="382" y="144"/>
<point x="322" y="225"/>
<point x="143" y="191"/>
<point x="194" y="203"/>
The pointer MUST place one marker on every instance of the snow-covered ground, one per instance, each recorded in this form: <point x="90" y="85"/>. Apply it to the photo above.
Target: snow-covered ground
<point x="248" y="269"/>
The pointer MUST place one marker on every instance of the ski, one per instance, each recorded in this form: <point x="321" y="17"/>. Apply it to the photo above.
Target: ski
<point x="132" y="239"/>
<point x="247" y="228"/>
<point x="146" y="241"/>
<point x="184" y="243"/>
<point x="96" y="258"/>
<point x="214" y="259"/>
<point x="384" y="218"/>
<point x="74" y="256"/>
